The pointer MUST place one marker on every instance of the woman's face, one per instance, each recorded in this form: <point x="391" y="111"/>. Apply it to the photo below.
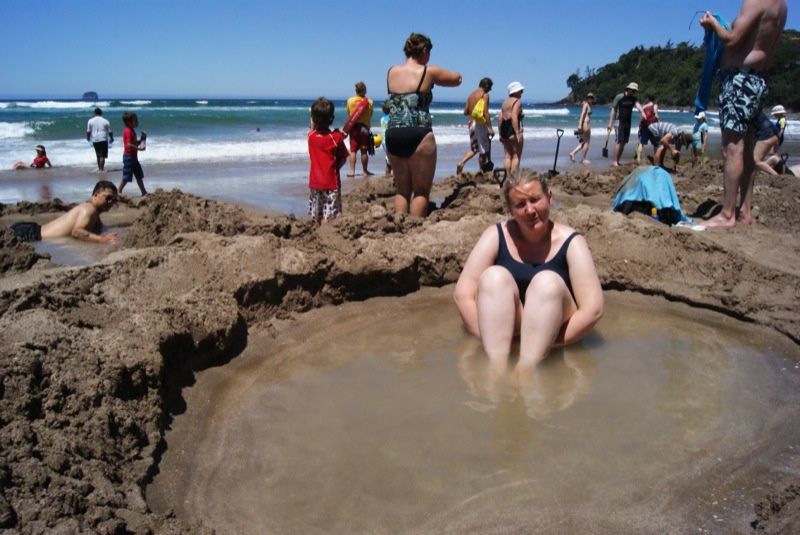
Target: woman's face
<point x="530" y="205"/>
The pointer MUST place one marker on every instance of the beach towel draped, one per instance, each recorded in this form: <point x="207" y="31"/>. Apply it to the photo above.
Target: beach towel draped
<point x="649" y="187"/>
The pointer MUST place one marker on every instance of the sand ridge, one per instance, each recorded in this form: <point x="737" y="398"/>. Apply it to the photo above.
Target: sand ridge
<point x="93" y="359"/>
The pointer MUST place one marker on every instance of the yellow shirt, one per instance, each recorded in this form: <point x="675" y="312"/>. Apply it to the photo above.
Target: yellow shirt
<point x="366" y="116"/>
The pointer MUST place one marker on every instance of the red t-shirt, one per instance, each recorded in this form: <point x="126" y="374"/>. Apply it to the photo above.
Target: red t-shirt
<point x="129" y="136"/>
<point x="40" y="161"/>
<point x="328" y="153"/>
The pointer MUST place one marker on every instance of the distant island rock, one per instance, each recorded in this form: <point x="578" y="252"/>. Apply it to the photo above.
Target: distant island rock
<point x="90" y="95"/>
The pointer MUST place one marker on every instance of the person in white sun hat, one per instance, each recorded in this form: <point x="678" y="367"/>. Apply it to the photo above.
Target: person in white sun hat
<point x="509" y="125"/>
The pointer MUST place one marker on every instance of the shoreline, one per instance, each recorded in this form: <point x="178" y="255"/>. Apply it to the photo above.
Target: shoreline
<point x="96" y="357"/>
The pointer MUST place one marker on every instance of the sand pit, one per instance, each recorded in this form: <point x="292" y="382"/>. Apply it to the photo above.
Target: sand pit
<point x="95" y="360"/>
<point x="351" y="424"/>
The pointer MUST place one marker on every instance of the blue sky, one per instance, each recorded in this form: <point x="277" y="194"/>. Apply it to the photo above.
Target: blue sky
<point x="243" y="48"/>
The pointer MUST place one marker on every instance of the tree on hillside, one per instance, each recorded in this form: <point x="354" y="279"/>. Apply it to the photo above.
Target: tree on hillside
<point x="672" y="74"/>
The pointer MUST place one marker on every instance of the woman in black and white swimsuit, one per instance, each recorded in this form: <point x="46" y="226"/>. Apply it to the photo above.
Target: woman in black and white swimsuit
<point x="410" y="144"/>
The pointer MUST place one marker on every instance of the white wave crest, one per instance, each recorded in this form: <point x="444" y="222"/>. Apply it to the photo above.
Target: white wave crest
<point x="203" y="102"/>
<point x="546" y="111"/>
<point x="15" y="130"/>
<point x="4" y="105"/>
<point x="135" y="102"/>
<point x="60" y="105"/>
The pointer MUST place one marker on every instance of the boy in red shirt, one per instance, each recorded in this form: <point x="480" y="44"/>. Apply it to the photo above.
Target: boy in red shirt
<point x="130" y="153"/>
<point x="327" y="152"/>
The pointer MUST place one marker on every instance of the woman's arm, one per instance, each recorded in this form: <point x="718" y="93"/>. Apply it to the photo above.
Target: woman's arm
<point x="443" y="77"/>
<point x="482" y="256"/>
<point x="587" y="290"/>
<point x="655" y="112"/>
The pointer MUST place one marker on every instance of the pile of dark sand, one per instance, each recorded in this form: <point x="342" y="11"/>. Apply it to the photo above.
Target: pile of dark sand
<point x="93" y="359"/>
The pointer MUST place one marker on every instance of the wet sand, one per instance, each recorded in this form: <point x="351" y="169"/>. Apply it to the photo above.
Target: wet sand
<point x="351" y="424"/>
<point x="98" y="361"/>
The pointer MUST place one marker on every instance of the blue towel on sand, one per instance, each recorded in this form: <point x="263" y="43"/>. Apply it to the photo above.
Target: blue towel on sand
<point x="714" y="49"/>
<point x="649" y="186"/>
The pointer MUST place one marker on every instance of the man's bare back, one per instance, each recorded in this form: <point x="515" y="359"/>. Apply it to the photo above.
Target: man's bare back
<point x="754" y="35"/>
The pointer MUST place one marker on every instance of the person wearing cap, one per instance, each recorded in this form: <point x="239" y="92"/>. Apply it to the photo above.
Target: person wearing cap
<point x="779" y="113"/>
<point x="39" y="162"/>
<point x="98" y="133"/>
<point x="509" y="125"/>
<point x="765" y="151"/>
<point x="667" y="137"/>
<point x="622" y="109"/>
<point x="584" y="131"/>
<point x="699" y="137"/>
<point x="749" y="45"/>
<point x="479" y="124"/>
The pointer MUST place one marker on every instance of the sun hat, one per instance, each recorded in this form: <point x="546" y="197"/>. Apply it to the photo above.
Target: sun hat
<point x="778" y="110"/>
<point x="515" y="87"/>
<point x="589" y="95"/>
<point x="39" y="148"/>
<point x="701" y="115"/>
<point x="633" y="86"/>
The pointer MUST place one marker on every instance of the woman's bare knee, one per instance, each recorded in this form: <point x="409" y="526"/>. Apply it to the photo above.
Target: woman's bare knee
<point x="495" y="279"/>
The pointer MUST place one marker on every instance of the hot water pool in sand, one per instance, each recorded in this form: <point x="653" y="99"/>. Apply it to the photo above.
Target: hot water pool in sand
<point x="382" y="417"/>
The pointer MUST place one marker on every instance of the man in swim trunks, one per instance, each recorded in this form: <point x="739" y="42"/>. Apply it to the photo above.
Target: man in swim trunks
<point x="81" y="222"/>
<point x="480" y="125"/>
<point x="749" y="46"/>
<point x="359" y="134"/>
<point x="98" y="131"/>
<point x="622" y="108"/>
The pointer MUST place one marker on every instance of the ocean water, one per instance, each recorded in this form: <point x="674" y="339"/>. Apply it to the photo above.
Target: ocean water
<point x="234" y="142"/>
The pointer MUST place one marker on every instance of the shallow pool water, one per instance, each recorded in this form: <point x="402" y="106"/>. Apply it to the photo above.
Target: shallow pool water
<point x="383" y="417"/>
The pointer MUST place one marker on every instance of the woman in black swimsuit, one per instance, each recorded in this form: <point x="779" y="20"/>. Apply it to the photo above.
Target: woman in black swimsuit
<point x="410" y="144"/>
<point x="509" y="124"/>
<point x="531" y="277"/>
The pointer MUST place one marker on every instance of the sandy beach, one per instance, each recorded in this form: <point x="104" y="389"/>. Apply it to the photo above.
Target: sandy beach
<point x="99" y="361"/>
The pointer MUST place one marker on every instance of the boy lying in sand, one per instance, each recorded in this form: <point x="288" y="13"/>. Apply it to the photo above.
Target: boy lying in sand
<point x="82" y="222"/>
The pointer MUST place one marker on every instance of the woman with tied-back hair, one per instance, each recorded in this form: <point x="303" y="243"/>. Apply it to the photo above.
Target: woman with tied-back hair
<point x="409" y="137"/>
<point x="528" y="276"/>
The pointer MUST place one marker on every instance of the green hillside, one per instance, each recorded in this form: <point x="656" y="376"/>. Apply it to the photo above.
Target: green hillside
<point x="672" y="73"/>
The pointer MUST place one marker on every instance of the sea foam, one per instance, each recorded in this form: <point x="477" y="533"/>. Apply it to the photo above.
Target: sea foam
<point x="57" y="105"/>
<point x="15" y="130"/>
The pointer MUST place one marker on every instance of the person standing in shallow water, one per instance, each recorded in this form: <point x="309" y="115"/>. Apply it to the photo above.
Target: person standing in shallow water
<point x="749" y="46"/>
<point x="585" y="129"/>
<point x="528" y="276"/>
<point x="409" y="137"/>
<point x="509" y="124"/>
<point x="479" y="124"/>
<point x="98" y="132"/>
<point x="130" y="153"/>
<point x="359" y="134"/>
<point x="622" y="108"/>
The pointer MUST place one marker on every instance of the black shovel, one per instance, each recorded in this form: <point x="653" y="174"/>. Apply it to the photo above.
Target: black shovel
<point x="552" y="172"/>
<point x="605" y="147"/>
<point x="784" y="159"/>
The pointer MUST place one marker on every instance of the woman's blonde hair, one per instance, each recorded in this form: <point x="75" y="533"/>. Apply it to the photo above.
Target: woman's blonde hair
<point x="514" y="180"/>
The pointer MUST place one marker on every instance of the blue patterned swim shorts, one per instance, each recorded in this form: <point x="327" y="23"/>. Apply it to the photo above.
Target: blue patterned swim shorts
<point x="741" y="96"/>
